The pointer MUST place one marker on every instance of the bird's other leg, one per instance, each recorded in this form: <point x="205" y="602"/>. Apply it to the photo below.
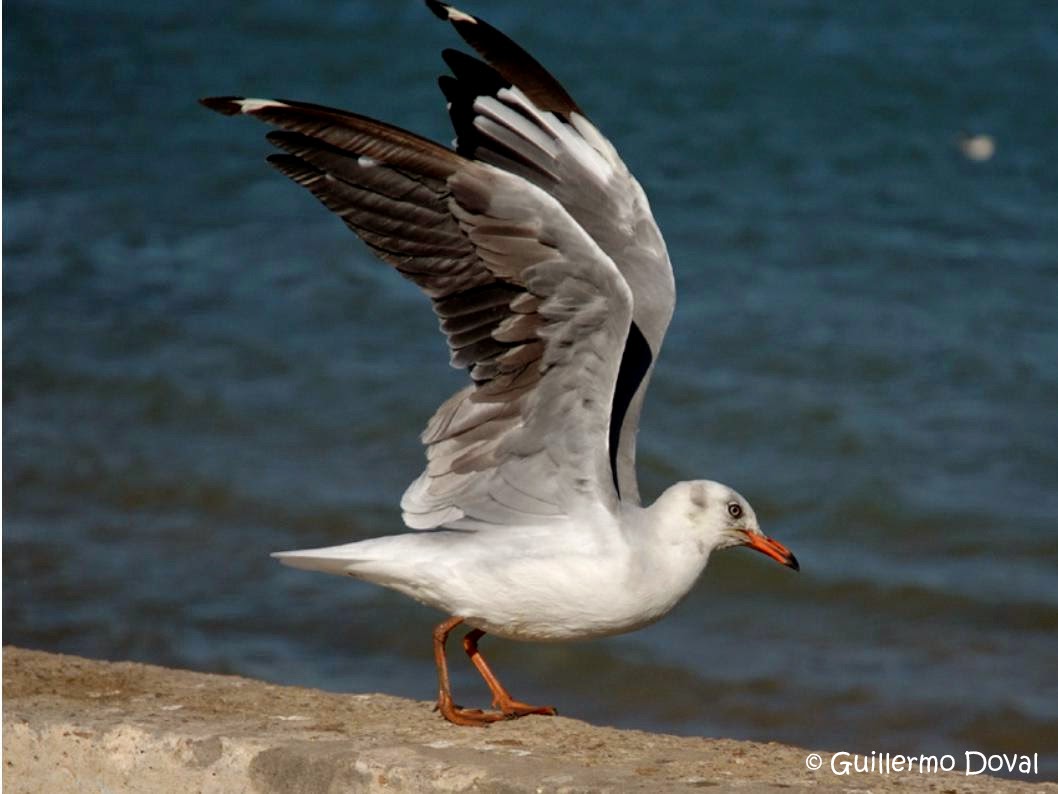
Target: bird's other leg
<point x="501" y="698"/>
<point x="449" y="710"/>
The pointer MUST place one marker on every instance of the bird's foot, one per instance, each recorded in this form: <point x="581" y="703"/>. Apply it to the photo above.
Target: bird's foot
<point x="512" y="709"/>
<point x="477" y="718"/>
<point x="474" y="718"/>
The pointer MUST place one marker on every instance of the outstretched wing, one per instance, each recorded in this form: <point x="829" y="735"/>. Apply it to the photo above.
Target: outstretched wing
<point x="511" y="112"/>
<point x="531" y="306"/>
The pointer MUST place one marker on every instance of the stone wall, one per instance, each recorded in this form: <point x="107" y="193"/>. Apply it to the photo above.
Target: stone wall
<point x="76" y="725"/>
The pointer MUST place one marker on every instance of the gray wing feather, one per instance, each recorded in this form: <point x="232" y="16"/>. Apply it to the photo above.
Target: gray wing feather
<point x="541" y="447"/>
<point x="530" y="304"/>
<point x="513" y="114"/>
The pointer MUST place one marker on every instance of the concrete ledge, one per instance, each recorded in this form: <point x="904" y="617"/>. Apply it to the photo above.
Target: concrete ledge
<point x="76" y="725"/>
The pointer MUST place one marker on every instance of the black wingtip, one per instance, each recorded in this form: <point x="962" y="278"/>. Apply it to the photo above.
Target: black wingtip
<point x="513" y="63"/>
<point x="284" y="161"/>
<point x="293" y="167"/>
<point x="440" y="10"/>
<point x="228" y="105"/>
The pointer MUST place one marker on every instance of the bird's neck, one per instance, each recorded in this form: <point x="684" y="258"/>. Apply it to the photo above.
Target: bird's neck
<point x="669" y="557"/>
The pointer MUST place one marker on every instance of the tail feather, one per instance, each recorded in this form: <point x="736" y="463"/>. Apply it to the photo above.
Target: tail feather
<point x="339" y="560"/>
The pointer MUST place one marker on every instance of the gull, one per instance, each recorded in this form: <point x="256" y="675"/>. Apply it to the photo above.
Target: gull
<point x="553" y="287"/>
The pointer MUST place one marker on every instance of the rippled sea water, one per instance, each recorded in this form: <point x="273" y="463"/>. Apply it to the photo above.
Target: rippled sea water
<point x="202" y="366"/>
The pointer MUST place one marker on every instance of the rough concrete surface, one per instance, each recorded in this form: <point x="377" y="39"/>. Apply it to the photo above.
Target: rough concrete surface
<point x="76" y="725"/>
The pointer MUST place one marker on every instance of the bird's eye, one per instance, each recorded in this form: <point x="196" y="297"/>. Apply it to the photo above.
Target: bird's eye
<point x="734" y="509"/>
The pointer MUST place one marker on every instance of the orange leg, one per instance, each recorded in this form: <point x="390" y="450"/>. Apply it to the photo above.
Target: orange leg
<point x="449" y="710"/>
<point x="509" y="708"/>
<point x="501" y="698"/>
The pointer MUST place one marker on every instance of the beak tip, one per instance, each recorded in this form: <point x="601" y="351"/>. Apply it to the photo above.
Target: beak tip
<point x="771" y="548"/>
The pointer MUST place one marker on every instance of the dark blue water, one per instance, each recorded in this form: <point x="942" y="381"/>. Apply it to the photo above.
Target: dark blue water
<point x="202" y="366"/>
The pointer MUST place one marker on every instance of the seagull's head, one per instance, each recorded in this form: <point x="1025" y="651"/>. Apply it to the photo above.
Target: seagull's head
<point x="718" y="517"/>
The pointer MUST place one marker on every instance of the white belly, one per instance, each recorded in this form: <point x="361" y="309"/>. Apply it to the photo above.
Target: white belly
<point x="547" y="583"/>
<point x="532" y="592"/>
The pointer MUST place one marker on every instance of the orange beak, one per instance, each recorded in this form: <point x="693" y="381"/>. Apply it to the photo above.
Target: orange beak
<point x="773" y="549"/>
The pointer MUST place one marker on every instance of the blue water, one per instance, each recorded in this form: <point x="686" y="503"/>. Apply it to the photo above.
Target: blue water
<point x="202" y="366"/>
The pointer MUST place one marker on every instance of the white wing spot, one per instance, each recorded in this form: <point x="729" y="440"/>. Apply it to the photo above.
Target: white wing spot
<point x="250" y="105"/>
<point x="456" y="15"/>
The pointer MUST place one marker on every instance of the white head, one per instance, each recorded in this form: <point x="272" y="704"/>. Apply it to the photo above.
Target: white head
<point x="714" y="516"/>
